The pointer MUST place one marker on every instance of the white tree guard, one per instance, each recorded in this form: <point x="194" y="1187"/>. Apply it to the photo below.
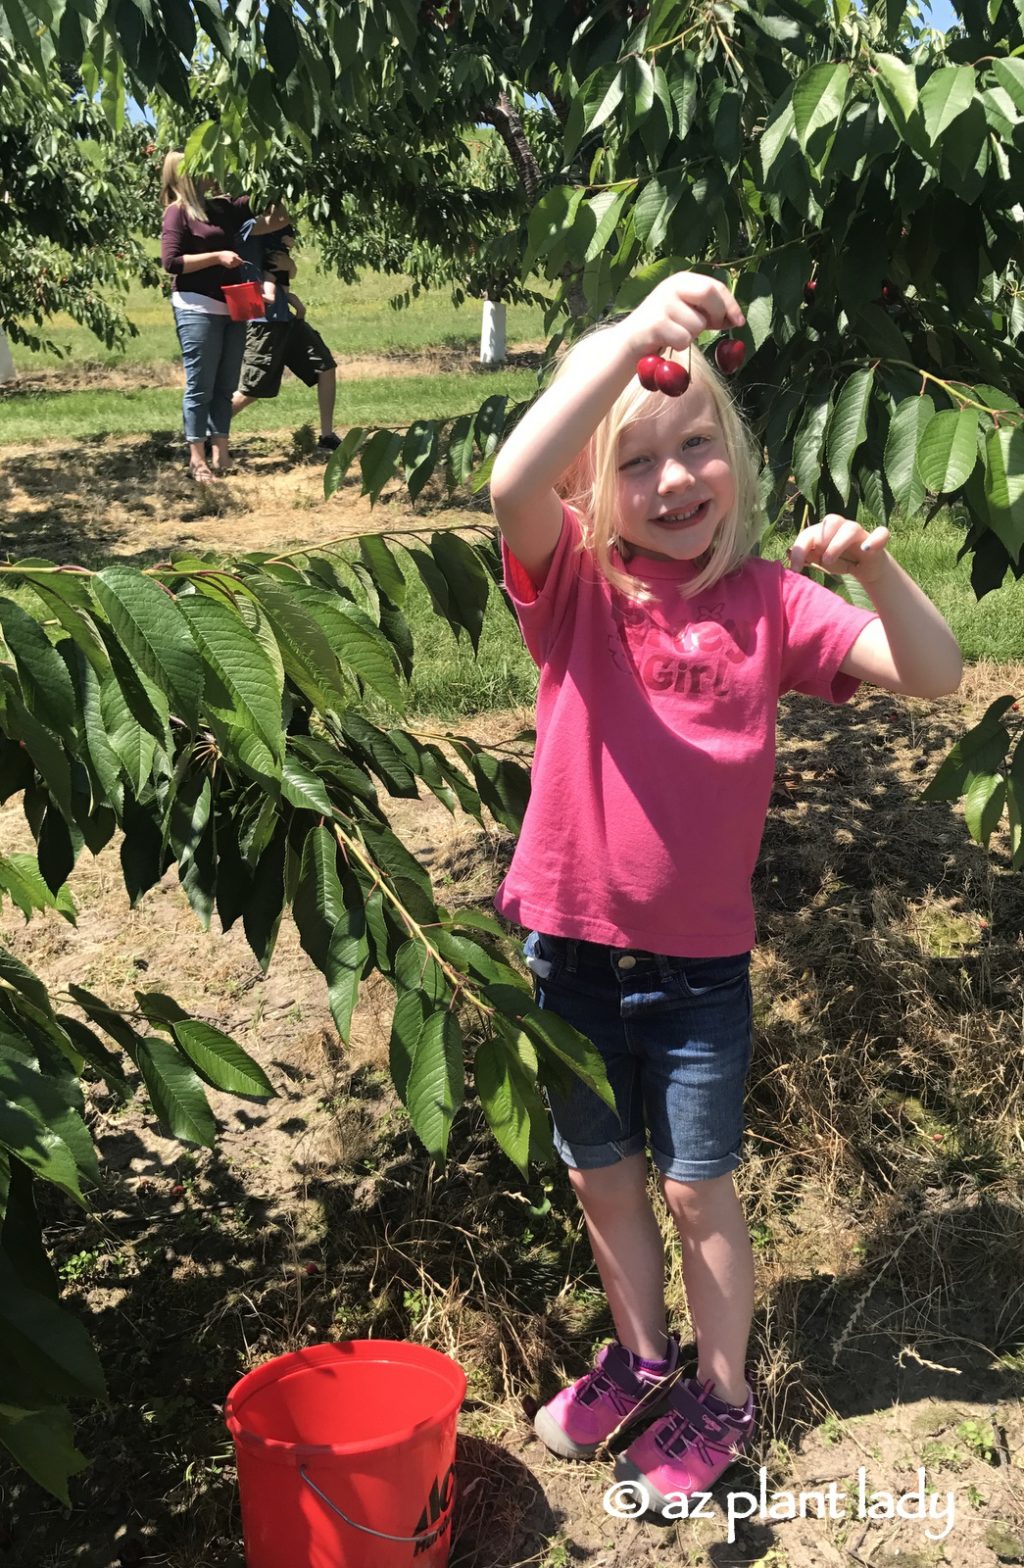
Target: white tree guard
<point x="492" y="334"/>
<point x="7" y="370"/>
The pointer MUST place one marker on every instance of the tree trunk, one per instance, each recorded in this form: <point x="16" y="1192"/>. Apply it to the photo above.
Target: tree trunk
<point x="504" y="116"/>
<point x="492" y="334"/>
<point x="7" y="370"/>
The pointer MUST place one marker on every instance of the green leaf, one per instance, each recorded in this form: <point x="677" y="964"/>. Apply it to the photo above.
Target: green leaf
<point x="361" y="646"/>
<point x="378" y="461"/>
<point x="340" y="460"/>
<point x="156" y="635"/>
<point x="947" y="93"/>
<point x="331" y="930"/>
<point x="21" y="880"/>
<point x="106" y="764"/>
<point x="548" y="221"/>
<point x="602" y="94"/>
<point x="406" y="1028"/>
<point x="42" y="1443"/>
<point x="654" y="208"/>
<point x="948" y="450"/>
<point x="133" y="746"/>
<point x="419" y="457"/>
<point x="242" y="695"/>
<point x="818" y="100"/>
<point x="304" y="789"/>
<point x="45" y="682"/>
<point x="309" y="657"/>
<point x="383" y="567"/>
<point x="848" y="427"/>
<point x="461" y="442"/>
<point x="983" y="805"/>
<point x="1010" y="75"/>
<point x="772" y="148"/>
<point x="176" y="1093"/>
<point x="1015" y="805"/>
<point x="467" y="580"/>
<point x="1004" y="487"/>
<point x="221" y="1061"/>
<point x="511" y="1100"/>
<point x="895" y="84"/>
<point x="436" y="1085"/>
<point x="981" y="751"/>
<point x="908" y="424"/>
<point x="606" y="207"/>
<point x="280" y="40"/>
<point x="682" y="88"/>
<point x="809" y="440"/>
<point x="47" y="1353"/>
<point x="553" y="1034"/>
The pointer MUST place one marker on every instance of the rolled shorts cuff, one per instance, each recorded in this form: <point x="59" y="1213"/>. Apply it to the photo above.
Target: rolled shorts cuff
<point x="695" y="1170"/>
<point x="595" y="1156"/>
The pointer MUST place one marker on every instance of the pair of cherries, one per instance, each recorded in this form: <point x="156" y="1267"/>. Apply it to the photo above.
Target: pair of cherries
<point x="656" y="374"/>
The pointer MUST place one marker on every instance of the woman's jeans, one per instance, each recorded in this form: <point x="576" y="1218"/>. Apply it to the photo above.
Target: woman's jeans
<point x="211" y="350"/>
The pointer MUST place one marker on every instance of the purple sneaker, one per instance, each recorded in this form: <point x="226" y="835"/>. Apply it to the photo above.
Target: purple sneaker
<point x="689" y="1448"/>
<point x="616" y="1393"/>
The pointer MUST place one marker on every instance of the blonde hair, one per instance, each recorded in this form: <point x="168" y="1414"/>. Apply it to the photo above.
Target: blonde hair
<point x="177" y="186"/>
<point x="590" y="485"/>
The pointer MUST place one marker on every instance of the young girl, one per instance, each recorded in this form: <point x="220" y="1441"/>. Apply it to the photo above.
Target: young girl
<point x="627" y="518"/>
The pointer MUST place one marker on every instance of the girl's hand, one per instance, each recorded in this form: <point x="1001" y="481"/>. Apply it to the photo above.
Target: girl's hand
<point x="678" y="311"/>
<point x="229" y="258"/>
<point x="841" y="546"/>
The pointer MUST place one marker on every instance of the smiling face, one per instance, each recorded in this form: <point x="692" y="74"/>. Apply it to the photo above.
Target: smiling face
<point x="675" y="485"/>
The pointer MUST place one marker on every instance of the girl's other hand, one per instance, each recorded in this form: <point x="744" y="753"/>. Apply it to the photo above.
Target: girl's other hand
<point x="678" y="311"/>
<point x="842" y="547"/>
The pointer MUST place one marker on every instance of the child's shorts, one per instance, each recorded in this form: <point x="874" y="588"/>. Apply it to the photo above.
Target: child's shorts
<point x="272" y="347"/>
<point x="675" y="1037"/>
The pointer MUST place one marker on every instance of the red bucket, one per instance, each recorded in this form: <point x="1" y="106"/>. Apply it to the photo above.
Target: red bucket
<point x="244" y="301"/>
<point x="346" y="1456"/>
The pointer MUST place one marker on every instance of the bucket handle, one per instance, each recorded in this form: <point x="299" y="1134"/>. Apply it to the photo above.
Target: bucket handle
<point x="405" y="1540"/>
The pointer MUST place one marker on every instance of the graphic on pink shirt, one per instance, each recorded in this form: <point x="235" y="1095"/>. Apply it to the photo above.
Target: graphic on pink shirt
<point x="690" y="656"/>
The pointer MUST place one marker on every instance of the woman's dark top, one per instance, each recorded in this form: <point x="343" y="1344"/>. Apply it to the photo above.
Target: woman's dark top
<point x="184" y="236"/>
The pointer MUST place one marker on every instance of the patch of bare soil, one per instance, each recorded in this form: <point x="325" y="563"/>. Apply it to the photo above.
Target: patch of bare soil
<point x="96" y="376"/>
<point x="130" y="499"/>
<point x="882" y="1184"/>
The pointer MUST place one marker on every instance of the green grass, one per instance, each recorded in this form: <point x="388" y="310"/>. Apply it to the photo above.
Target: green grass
<point x="354" y="318"/>
<point x="990" y="628"/>
<point x="397" y="400"/>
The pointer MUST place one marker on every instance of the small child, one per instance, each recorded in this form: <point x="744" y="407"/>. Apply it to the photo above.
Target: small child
<point x="628" y="520"/>
<point x="284" y="339"/>
<point x="276" y="280"/>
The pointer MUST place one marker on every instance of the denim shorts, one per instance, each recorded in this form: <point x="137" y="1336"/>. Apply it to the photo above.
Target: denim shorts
<point x="675" y="1037"/>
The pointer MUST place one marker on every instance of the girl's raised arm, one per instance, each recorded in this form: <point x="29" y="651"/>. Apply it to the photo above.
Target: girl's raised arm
<point x="553" y="433"/>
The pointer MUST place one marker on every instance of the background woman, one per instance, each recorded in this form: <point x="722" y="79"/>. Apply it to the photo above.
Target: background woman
<point x="198" y="239"/>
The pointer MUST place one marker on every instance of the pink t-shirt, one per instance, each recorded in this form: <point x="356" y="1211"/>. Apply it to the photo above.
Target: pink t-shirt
<point x="656" y="744"/>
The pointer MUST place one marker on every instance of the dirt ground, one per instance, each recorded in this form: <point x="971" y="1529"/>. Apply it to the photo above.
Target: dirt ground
<point x="889" y="1330"/>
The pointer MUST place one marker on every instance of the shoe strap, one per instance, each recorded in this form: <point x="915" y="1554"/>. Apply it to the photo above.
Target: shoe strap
<point x="690" y="1421"/>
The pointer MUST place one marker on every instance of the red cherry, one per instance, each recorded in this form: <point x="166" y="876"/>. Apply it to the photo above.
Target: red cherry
<point x="810" y="290"/>
<point x="729" y="355"/>
<point x="645" y="371"/>
<point x="177" y="1191"/>
<point x="671" y="377"/>
<point x="890" y="293"/>
<point x="312" y="1268"/>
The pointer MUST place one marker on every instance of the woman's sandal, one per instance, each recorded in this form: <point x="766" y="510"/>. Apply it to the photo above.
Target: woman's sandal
<point x="201" y="473"/>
